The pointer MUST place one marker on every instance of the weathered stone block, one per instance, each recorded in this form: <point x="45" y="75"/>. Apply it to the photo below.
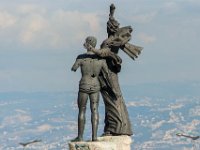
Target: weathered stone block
<point x="104" y="143"/>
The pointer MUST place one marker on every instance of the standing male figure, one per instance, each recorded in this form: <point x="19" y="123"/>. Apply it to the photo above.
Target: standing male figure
<point x="89" y="86"/>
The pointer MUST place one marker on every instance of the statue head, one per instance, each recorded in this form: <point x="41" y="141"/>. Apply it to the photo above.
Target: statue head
<point x="112" y="9"/>
<point x="90" y="40"/>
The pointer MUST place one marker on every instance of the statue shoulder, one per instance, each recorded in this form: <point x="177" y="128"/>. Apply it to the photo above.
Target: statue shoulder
<point x="81" y="56"/>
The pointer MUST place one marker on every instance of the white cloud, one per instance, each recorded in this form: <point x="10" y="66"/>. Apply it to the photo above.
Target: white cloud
<point x="171" y="7"/>
<point x="34" y="26"/>
<point x="60" y="29"/>
<point x="7" y="19"/>
<point x="144" y="18"/>
<point x="73" y="26"/>
<point x="44" y="128"/>
<point x="30" y="8"/>
<point x="33" y="29"/>
<point x="16" y="119"/>
<point x="147" y="39"/>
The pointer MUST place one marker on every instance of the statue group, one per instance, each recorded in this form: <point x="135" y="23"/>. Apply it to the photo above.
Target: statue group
<point x="99" y="69"/>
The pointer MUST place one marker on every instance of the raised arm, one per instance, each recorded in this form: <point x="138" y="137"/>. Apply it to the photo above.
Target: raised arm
<point x="104" y="52"/>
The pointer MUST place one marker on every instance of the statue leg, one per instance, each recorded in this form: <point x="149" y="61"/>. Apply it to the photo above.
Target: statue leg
<point x="94" y="102"/>
<point x="82" y="101"/>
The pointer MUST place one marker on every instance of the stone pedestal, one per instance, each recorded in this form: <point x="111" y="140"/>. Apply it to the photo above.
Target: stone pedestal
<point x="104" y="143"/>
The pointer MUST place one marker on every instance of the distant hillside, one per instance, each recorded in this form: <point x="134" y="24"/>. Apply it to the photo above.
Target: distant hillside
<point x="164" y="89"/>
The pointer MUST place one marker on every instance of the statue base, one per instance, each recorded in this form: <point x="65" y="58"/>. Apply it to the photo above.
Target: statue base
<point x="104" y="143"/>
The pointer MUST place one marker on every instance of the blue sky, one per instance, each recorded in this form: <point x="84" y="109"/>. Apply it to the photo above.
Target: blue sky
<point x="39" y="41"/>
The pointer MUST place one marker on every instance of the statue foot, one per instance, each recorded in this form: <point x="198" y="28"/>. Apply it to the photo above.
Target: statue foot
<point x="94" y="139"/>
<point x="106" y="134"/>
<point x="77" y="139"/>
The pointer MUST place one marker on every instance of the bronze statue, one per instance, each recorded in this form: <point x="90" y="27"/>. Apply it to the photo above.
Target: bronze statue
<point x="100" y="70"/>
<point x="116" y="115"/>
<point x="89" y="86"/>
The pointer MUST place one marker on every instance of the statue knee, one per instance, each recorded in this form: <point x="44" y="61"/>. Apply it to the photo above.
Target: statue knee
<point x="94" y="110"/>
<point x="82" y="111"/>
